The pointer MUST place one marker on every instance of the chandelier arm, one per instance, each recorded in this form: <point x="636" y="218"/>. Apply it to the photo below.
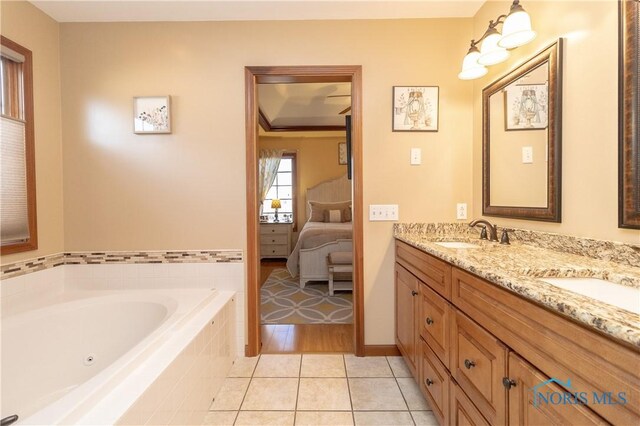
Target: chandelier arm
<point x="492" y="24"/>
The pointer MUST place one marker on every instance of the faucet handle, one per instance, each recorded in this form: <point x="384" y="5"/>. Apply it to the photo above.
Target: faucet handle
<point x="483" y="232"/>
<point x="504" y="238"/>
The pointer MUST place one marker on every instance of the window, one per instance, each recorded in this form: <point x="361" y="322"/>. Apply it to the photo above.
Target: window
<point x="18" y="229"/>
<point x="283" y="188"/>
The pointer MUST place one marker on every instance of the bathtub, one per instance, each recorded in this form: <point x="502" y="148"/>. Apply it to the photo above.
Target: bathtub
<point x="118" y="357"/>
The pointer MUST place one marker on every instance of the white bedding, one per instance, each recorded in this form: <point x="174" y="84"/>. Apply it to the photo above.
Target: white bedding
<point x="314" y="234"/>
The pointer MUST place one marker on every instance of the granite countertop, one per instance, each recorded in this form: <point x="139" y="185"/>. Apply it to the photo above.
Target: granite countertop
<point x="518" y="267"/>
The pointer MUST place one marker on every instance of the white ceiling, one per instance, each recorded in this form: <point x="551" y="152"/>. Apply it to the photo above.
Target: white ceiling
<point x="304" y="104"/>
<point x="251" y="10"/>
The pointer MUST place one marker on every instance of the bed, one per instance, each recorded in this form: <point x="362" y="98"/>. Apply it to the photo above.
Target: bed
<point x="316" y="240"/>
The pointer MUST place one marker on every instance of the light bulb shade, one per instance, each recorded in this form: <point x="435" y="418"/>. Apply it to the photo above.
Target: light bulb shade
<point x="471" y="69"/>
<point x="275" y="204"/>
<point x="516" y="30"/>
<point x="490" y="52"/>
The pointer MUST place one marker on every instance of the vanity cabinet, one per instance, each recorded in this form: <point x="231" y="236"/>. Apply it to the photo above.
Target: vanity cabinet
<point x="478" y="351"/>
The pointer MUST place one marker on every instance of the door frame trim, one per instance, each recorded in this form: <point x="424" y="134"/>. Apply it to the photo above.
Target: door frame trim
<point x="293" y="74"/>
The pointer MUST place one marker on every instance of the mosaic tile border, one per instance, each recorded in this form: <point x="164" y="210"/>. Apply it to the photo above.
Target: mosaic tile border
<point x="130" y="257"/>
<point x="628" y="254"/>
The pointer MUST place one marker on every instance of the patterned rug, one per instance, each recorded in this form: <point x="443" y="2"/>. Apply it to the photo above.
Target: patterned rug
<point x="284" y="302"/>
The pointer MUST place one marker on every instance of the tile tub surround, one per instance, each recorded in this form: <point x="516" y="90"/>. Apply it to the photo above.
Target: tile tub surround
<point x="119" y="257"/>
<point x="325" y="390"/>
<point x="516" y="267"/>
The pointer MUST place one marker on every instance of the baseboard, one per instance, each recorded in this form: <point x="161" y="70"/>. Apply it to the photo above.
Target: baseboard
<point x="381" y="350"/>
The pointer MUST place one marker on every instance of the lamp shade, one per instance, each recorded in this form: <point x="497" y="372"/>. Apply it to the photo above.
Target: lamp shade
<point x="490" y="52"/>
<point x="275" y="204"/>
<point x="516" y="30"/>
<point x="471" y="69"/>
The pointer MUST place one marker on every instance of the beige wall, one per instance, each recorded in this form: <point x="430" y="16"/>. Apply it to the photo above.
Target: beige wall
<point x="28" y="26"/>
<point x="590" y="120"/>
<point x="316" y="161"/>
<point x="187" y="189"/>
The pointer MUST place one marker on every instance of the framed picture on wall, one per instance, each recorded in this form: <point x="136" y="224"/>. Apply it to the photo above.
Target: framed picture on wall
<point x="526" y="107"/>
<point x="415" y="108"/>
<point x="342" y="153"/>
<point x="151" y="114"/>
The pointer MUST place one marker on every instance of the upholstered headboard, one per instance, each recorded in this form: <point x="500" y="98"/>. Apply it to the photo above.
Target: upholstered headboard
<point x="329" y="191"/>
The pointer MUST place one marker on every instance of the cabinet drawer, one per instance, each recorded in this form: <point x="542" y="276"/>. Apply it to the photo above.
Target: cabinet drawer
<point x="528" y="407"/>
<point x="435" y="323"/>
<point x="555" y="345"/>
<point x="479" y="363"/>
<point x="274" y="250"/>
<point x="463" y="412"/>
<point x="434" y="383"/>
<point x="274" y="229"/>
<point x="434" y="272"/>
<point x="273" y="239"/>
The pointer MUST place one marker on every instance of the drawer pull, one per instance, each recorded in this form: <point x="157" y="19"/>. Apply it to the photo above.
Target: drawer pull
<point x="469" y="364"/>
<point x="414" y="293"/>
<point x="428" y="382"/>
<point x="429" y="321"/>
<point x="508" y="383"/>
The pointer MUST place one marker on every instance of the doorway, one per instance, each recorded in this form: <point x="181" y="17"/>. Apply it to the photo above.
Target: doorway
<point x="300" y="74"/>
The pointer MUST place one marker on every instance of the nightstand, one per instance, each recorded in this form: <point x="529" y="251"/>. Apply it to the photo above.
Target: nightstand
<point x="275" y="239"/>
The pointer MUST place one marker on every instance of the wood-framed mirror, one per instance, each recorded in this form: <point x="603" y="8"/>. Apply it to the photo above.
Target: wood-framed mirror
<point x="629" y="122"/>
<point x="522" y="140"/>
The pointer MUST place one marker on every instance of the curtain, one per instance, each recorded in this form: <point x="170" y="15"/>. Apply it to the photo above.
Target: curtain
<point x="12" y="92"/>
<point x="267" y="170"/>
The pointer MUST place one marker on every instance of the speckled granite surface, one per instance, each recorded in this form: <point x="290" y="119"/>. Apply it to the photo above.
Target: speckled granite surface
<point x="533" y="255"/>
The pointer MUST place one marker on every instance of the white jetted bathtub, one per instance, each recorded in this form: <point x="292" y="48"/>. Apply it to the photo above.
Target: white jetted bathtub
<point x="127" y="357"/>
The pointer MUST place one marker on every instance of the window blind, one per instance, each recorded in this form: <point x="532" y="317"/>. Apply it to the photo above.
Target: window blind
<point x="13" y="182"/>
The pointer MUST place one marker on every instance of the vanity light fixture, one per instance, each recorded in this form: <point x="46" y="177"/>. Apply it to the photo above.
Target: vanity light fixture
<point x="516" y="32"/>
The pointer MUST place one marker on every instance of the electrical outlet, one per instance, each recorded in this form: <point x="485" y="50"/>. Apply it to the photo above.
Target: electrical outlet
<point x="383" y="212"/>
<point x="416" y="156"/>
<point x="527" y="154"/>
<point x="461" y="211"/>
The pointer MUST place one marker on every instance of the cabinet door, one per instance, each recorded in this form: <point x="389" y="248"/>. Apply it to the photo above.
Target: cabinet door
<point x="407" y="302"/>
<point x="434" y="383"/>
<point x="435" y="323"/>
<point x="478" y="364"/>
<point x="463" y="412"/>
<point x="526" y="409"/>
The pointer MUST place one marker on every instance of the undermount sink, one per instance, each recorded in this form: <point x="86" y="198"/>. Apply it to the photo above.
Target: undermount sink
<point x="627" y="298"/>
<point x="457" y="245"/>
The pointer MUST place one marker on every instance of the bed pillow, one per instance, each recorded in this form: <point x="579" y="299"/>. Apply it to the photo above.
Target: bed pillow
<point x="333" y="216"/>
<point x="318" y="208"/>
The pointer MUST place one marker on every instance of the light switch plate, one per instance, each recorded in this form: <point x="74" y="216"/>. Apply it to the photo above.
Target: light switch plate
<point x="461" y="211"/>
<point x="416" y="156"/>
<point x="383" y="212"/>
<point x="527" y="154"/>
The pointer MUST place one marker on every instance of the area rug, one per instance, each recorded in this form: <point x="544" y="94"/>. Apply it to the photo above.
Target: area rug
<point x="284" y="302"/>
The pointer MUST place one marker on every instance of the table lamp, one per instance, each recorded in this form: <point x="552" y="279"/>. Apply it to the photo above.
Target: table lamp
<point x="275" y="204"/>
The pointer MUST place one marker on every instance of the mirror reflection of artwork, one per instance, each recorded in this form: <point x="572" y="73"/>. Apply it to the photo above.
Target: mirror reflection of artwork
<point x="415" y="109"/>
<point x="526" y="107"/>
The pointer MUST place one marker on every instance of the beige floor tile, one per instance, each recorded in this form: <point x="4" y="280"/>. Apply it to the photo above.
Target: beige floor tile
<point x="374" y="366"/>
<point x="220" y="418"/>
<point x="230" y="395"/>
<point x="243" y="367"/>
<point x="399" y="367"/>
<point x="265" y="418"/>
<point x="324" y="418"/>
<point x="376" y="394"/>
<point x="322" y="366"/>
<point x="412" y="394"/>
<point x="278" y="366"/>
<point x="424" y="418"/>
<point x="271" y="394"/>
<point x="323" y="394"/>
<point x="386" y="418"/>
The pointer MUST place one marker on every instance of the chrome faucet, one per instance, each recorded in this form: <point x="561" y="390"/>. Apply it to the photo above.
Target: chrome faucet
<point x="492" y="229"/>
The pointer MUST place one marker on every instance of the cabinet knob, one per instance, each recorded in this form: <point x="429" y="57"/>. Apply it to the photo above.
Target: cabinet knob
<point x="428" y="382"/>
<point x="429" y="321"/>
<point x="414" y="293"/>
<point x="508" y="383"/>
<point x="469" y="364"/>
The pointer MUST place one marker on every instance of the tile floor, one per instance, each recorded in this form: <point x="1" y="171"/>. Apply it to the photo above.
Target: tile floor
<point x="319" y="390"/>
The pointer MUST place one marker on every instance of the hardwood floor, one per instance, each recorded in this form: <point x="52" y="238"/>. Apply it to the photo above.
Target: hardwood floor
<point x="302" y="338"/>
